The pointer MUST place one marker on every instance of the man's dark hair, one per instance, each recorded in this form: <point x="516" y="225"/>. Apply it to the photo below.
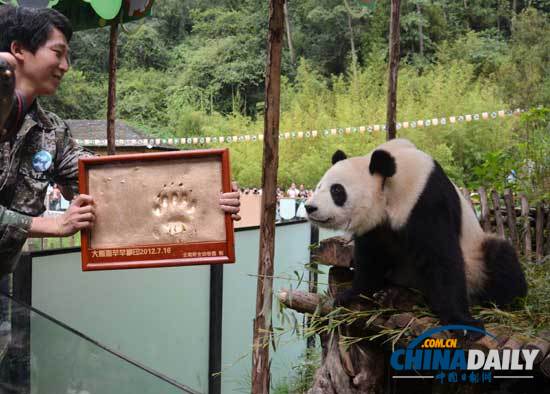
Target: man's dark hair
<point x="30" y="26"/>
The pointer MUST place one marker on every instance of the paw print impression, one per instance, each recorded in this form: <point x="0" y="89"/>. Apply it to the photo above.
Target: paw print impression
<point x="173" y="210"/>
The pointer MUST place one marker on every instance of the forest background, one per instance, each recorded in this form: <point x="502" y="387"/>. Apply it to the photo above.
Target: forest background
<point x="196" y="68"/>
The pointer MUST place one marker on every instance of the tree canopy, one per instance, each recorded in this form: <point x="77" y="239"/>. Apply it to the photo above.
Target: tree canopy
<point x="197" y="67"/>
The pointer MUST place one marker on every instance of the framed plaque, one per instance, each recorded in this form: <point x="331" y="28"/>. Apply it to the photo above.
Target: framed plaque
<point x="157" y="210"/>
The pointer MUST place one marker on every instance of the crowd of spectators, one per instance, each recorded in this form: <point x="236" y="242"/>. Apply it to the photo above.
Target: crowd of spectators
<point x="300" y="192"/>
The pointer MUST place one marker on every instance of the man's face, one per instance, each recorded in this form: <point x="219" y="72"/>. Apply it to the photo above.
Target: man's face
<point x="44" y="69"/>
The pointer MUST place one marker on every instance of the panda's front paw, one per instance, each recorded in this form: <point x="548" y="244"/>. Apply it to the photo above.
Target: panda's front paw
<point x="346" y="297"/>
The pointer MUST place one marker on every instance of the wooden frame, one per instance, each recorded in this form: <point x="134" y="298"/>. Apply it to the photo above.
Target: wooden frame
<point x="157" y="210"/>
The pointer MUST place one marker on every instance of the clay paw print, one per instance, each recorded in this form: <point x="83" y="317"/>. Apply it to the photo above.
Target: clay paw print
<point x="174" y="209"/>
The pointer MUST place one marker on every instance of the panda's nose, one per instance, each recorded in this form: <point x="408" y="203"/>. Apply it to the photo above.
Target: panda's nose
<point x="310" y="208"/>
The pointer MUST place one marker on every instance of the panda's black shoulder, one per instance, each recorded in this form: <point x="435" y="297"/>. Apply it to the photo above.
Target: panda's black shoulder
<point x="440" y="200"/>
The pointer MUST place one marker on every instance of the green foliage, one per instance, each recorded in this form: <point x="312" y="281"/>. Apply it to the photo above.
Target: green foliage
<point x="524" y="165"/>
<point x="525" y="74"/>
<point x="197" y="69"/>
<point x="302" y="374"/>
<point x="142" y="96"/>
<point x="78" y="97"/>
<point x="144" y="48"/>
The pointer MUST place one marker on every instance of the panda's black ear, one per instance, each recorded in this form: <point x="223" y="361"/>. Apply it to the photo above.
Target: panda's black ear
<point x="338" y="156"/>
<point x="381" y="162"/>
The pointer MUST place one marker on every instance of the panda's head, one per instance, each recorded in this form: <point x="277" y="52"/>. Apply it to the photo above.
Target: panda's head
<point x="350" y="196"/>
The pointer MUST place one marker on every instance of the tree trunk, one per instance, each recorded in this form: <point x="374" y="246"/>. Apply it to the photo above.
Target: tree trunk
<point x="264" y="299"/>
<point x="289" y="35"/>
<point x="111" y="99"/>
<point x="393" y="69"/>
<point x="420" y="33"/>
<point x="352" y="43"/>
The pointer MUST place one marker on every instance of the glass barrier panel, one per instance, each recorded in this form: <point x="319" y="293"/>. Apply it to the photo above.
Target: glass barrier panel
<point x="41" y="355"/>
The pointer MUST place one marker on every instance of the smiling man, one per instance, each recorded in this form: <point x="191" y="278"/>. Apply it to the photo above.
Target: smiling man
<point x="36" y="146"/>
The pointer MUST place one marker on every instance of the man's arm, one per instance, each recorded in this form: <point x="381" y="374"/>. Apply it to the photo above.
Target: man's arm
<point x="80" y="215"/>
<point x="14" y="219"/>
<point x="66" y="162"/>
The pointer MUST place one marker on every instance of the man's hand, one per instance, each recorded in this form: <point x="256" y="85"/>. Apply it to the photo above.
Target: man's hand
<point x="8" y="57"/>
<point x="79" y="216"/>
<point x="231" y="202"/>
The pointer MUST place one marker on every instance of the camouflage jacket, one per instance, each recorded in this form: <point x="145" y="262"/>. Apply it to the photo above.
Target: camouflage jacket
<point x="22" y="188"/>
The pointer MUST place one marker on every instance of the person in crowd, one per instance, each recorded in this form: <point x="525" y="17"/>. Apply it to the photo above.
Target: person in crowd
<point x="292" y="192"/>
<point x="55" y="198"/>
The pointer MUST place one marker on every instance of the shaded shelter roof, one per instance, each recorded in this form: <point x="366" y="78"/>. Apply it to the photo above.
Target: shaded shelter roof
<point x="83" y="129"/>
<point x="93" y="133"/>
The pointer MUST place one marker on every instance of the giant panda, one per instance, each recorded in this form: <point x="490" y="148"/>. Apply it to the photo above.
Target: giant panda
<point x="412" y="227"/>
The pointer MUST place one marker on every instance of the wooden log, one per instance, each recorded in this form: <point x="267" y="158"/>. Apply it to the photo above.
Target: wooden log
<point x="498" y="217"/>
<point x="512" y="343"/>
<point x="511" y="217"/>
<point x="399" y="320"/>
<point x="541" y="345"/>
<point x="304" y="302"/>
<point x="418" y="326"/>
<point x="336" y="251"/>
<point x="339" y="279"/>
<point x="539" y="233"/>
<point x="359" y="370"/>
<point x="484" y="343"/>
<point x="484" y="216"/>
<point x="398" y="297"/>
<point x="526" y="226"/>
<point x="545" y="366"/>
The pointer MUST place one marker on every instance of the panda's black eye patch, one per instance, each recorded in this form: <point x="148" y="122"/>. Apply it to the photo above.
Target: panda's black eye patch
<point x="338" y="193"/>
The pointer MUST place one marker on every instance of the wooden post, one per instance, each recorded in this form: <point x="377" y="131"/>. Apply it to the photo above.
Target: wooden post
<point x="511" y="217"/>
<point x="313" y="277"/>
<point x="264" y="299"/>
<point x="466" y="194"/>
<point x="393" y="69"/>
<point x="498" y="217"/>
<point x="111" y="99"/>
<point x="539" y="233"/>
<point x="484" y="218"/>
<point x="526" y="226"/>
<point x="547" y="250"/>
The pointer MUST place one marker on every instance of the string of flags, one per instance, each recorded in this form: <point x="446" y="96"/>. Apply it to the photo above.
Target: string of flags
<point x="339" y="131"/>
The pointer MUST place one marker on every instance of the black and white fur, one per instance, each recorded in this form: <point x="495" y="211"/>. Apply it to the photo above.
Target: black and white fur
<point x="412" y="227"/>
